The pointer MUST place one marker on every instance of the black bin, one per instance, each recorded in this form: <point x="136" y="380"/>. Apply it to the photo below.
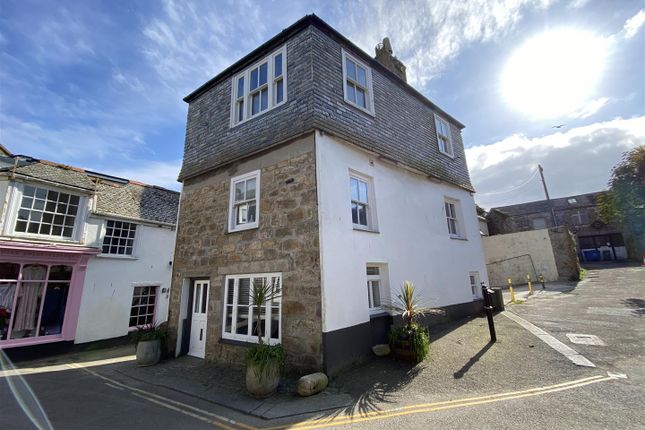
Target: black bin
<point x="498" y="300"/>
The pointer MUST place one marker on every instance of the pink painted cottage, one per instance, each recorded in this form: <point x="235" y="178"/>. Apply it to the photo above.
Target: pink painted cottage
<point x="83" y="256"/>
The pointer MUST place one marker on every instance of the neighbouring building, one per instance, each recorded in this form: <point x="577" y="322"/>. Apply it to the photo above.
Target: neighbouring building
<point x="83" y="256"/>
<point x="310" y="164"/>
<point x="595" y="239"/>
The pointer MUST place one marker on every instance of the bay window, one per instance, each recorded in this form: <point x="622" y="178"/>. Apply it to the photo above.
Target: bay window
<point x="240" y="321"/>
<point x="47" y="212"/>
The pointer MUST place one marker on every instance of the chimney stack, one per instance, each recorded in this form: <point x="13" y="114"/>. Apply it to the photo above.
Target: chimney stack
<point x="385" y="57"/>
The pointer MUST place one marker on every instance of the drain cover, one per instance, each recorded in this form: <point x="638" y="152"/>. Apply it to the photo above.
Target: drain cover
<point x="585" y="339"/>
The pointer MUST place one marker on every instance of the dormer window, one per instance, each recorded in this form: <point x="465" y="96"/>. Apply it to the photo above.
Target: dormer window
<point x="47" y="212"/>
<point x="260" y="88"/>
<point x="357" y="83"/>
<point x="444" y="137"/>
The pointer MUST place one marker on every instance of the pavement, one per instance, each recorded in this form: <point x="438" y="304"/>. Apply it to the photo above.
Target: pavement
<point x="467" y="382"/>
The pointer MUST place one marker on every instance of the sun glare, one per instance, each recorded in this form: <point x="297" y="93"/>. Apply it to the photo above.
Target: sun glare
<point x="554" y="73"/>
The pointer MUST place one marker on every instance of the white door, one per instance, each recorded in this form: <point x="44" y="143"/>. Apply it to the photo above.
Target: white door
<point x="197" y="346"/>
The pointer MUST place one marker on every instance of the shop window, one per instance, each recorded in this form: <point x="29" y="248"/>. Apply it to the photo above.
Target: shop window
<point x="34" y="306"/>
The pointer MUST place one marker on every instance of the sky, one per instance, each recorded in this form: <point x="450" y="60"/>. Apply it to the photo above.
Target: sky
<point x="99" y="84"/>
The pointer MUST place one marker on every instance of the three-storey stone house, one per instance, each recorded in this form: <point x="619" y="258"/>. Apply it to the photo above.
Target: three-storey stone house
<point x="311" y="164"/>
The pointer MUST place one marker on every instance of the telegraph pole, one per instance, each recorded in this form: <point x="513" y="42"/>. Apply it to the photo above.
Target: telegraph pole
<point x="546" y="193"/>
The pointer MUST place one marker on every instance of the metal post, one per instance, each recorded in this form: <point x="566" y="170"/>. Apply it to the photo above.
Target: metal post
<point x="528" y="278"/>
<point x="488" y="306"/>
<point x="510" y="287"/>
<point x="541" y="279"/>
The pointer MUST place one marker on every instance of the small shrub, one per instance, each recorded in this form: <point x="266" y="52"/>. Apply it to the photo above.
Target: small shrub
<point x="262" y="355"/>
<point x="151" y="332"/>
<point x="411" y="337"/>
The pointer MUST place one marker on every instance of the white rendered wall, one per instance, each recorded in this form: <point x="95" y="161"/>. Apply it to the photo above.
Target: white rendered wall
<point x="507" y="256"/>
<point x="413" y="236"/>
<point x="109" y="281"/>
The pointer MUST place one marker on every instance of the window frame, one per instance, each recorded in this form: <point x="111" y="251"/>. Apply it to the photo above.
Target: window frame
<point x="157" y="289"/>
<point x="135" y="240"/>
<point x="370" y="204"/>
<point x="271" y="85"/>
<point x="473" y="287"/>
<point x="232" y="219"/>
<point x="457" y="218"/>
<point x="369" y="88"/>
<point x="383" y="287"/>
<point x="438" y="119"/>
<point x="249" y="338"/>
<point x="16" y="192"/>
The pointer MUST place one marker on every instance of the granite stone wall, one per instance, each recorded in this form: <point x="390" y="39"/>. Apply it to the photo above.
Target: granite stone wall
<point x="565" y="252"/>
<point x="286" y="241"/>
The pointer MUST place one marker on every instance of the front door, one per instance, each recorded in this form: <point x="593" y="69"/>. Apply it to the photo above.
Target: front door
<point x="199" y="305"/>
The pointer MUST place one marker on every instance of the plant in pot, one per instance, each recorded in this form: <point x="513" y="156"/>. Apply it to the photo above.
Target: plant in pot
<point x="410" y="341"/>
<point x="151" y="341"/>
<point x="264" y="362"/>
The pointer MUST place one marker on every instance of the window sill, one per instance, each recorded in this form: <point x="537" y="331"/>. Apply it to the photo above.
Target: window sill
<point x="244" y="228"/>
<point x="451" y="156"/>
<point x="118" y="257"/>
<point x="245" y="343"/>
<point x="236" y="342"/>
<point x="365" y="229"/>
<point x="360" y="108"/>
<point x="251" y="118"/>
<point x="378" y="313"/>
<point x="459" y="238"/>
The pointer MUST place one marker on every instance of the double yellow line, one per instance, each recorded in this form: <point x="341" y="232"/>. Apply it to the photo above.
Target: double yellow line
<point x="437" y="406"/>
<point x="229" y="424"/>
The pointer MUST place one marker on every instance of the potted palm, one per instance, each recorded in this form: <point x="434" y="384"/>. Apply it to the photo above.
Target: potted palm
<point x="410" y="341"/>
<point x="264" y="362"/>
<point x="150" y="341"/>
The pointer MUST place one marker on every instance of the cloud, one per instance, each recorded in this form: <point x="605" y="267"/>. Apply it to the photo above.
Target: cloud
<point x="190" y="42"/>
<point x="161" y="173"/>
<point x="427" y="34"/>
<point x="71" y="143"/>
<point x="634" y="24"/>
<point x="576" y="161"/>
<point x="590" y="108"/>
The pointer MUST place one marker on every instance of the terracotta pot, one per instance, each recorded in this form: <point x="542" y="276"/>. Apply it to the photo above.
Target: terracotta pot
<point x="148" y="352"/>
<point x="262" y="384"/>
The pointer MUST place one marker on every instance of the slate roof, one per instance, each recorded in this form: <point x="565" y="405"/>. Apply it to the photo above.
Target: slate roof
<point x="402" y="128"/>
<point x="135" y="201"/>
<point x="581" y="200"/>
<point x="114" y="196"/>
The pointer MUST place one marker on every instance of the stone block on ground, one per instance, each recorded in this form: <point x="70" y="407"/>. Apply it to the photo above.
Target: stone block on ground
<point x="311" y="384"/>
<point x="381" y="350"/>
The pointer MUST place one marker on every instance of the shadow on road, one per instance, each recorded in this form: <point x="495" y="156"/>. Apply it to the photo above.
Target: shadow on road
<point x="474" y="359"/>
<point x="637" y="304"/>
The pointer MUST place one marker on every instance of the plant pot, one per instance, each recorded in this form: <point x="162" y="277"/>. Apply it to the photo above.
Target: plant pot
<point x="262" y="383"/>
<point x="148" y="352"/>
<point x="402" y="350"/>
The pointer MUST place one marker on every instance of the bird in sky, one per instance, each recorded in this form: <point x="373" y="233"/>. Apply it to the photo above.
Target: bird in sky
<point x="558" y="126"/>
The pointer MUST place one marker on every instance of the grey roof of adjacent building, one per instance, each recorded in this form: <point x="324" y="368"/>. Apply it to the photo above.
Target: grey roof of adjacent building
<point x="115" y="196"/>
<point x="581" y="200"/>
<point x="137" y="201"/>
